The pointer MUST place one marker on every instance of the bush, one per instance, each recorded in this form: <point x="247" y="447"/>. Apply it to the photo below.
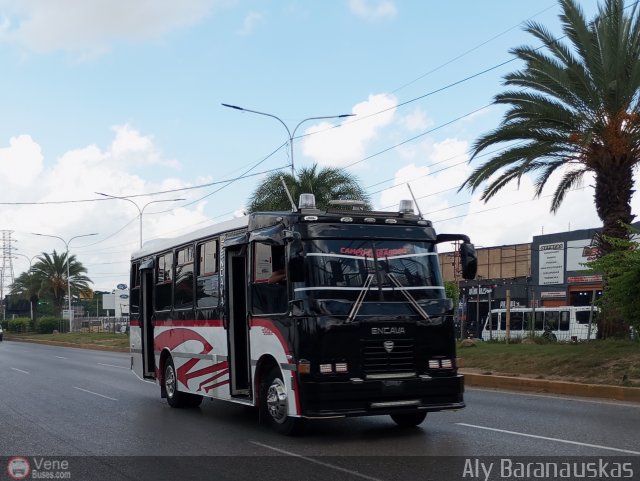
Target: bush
<point x="47" y="324"/>
<point x="19" y="324"/>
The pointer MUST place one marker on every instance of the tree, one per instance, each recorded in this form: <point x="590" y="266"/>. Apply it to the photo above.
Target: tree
<point x="575" y="110"/>
<point x="27" y="286"/>
<point x="51" y="273"/>
<point x="620" y="296"/>
<point x="326" y="184"/>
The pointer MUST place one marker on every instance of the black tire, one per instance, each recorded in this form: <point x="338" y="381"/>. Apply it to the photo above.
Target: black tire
<point x="273" y="405"/>
<point x="176" y="398"/>
<point x="407" y="420"/>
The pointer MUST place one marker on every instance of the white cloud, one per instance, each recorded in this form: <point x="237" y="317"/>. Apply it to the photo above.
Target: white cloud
<point x="346" y="144"/>
<point x="373" y="9"/>
<point x="416" y="120"/>
<point x="77" y="175"/>
<point x="435" y="183"/>
<point x="21" y="162"/>
<point x="91" y="26"/>
<point x="251" y="22"/>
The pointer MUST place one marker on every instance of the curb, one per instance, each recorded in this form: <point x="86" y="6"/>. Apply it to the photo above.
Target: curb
<point x="95" y="347"/>
<point x="619" y="393"/>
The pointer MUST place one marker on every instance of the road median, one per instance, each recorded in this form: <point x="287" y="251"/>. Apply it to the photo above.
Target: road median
<point x="620" y="393"/>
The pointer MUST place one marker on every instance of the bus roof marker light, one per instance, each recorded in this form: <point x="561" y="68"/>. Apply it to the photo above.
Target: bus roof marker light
<point x="346" y="219"/>
<point x="406" y="207"/>
<point x="307" y="201"/>
<point x="370" y="220"/>
<point x="390" y="221"/>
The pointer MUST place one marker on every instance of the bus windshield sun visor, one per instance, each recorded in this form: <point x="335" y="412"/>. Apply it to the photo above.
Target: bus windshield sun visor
<point x="272" y="235"/>
<point x="236" y="240"/>
<point x="146" y="264"/>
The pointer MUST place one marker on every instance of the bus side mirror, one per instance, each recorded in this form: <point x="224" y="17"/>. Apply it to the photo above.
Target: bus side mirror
<point x="468" y="261"/>
<point x="296" y="261"/>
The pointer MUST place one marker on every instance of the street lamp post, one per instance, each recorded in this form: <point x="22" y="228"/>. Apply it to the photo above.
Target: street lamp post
<point x="140" y="210"/>
<point x="66" y="244"/>
<point x="30" y="259"/>
<point x="291" y="133"/>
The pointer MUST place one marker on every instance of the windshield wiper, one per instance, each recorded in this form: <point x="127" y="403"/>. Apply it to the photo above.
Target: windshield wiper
<point x="408" y="296"/>
<point x="358" y="303"/>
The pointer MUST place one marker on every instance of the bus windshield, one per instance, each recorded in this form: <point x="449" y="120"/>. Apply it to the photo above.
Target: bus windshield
<point x="386" y="270"/>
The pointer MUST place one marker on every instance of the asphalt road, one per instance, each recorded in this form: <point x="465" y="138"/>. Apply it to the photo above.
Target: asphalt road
<point x="87" y="407"/>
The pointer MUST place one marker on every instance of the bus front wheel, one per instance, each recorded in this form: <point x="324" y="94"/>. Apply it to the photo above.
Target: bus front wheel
<point x="274" y="405"/>
<point x="409" y="419"/>
<point x="175" y="398"/>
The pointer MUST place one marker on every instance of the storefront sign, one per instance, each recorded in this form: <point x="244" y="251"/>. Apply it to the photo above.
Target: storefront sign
<point x="579" y="253"/>
<point x="583" y="279"/>
<point x="553" y="295"/>
<point x="551" y="264"/>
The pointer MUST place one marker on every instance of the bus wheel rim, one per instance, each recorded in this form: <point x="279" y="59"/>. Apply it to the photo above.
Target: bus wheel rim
<point x="277" y="401"/>
<point x="170" y="382"/>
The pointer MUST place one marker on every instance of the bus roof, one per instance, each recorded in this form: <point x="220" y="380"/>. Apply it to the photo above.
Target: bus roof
<point x="158" y="245"/>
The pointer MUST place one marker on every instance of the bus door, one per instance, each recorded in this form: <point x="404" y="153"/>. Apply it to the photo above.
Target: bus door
<point x="237" y="320"/>
<point x="142" y="345"/>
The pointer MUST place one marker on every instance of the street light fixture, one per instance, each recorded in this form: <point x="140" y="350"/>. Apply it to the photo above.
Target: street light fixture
<point x="66" y="244"/>
<point x="291" y="134"/>
<point x="140" y="210"/>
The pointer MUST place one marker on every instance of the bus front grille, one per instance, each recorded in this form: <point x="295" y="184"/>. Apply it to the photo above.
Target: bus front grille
<point x="383" y="356"/>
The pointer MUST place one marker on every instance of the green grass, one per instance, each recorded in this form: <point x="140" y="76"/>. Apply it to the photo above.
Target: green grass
<point x="87" y="339"/>
<point x="596" y="362"/>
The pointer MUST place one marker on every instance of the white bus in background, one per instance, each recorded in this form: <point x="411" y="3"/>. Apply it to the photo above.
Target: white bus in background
<point x="563" y="323"/>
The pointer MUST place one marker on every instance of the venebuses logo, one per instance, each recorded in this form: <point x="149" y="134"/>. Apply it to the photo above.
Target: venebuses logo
<point x="18" y="468"/>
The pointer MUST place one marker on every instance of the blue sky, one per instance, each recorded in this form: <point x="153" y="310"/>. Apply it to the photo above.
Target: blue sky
<point x="125" y="98"/>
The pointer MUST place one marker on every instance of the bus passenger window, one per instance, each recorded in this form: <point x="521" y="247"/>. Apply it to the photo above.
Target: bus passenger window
<point x="551" y="320"/>
<point x="539" y="322"/>
<point x="134" y="299"/>
<point x="163" y="281"/>
<point x="183" y="294"/>
<point x="516" y="322"/>
<point x="207" y="283"/>
<point x="564" y="321"/>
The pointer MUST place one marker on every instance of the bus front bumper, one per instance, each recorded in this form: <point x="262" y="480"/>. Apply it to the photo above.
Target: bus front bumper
<point x="358" y="397"/>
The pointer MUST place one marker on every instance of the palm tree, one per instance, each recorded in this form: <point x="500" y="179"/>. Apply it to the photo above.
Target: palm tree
<point x="575" y="110"/>
<point x="326" y="184"/>
<point x="51" y="273"/>
<point x="27" y="286"/>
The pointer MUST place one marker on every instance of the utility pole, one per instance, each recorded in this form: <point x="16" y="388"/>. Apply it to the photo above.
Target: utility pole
<point x="6" y="274"/>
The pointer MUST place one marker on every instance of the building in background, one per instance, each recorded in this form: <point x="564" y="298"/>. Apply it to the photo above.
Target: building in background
<point x="550" y="271"/>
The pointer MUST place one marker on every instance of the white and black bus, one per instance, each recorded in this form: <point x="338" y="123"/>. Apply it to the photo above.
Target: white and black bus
<point x="563" y="323"/>
<point x="303" y="314"/>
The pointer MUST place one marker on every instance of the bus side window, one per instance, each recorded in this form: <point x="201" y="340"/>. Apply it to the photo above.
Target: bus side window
<point x="551" y="320"/>
<point x="494" y="321"/>
<point x="268" y="280"/>
<point x="516" y="322"/>
<point x="582" y="317"/>
<point x="539" y="322"/>
<point x="207" y="283"/>
<point x="564" y="321"/>
<point x="164" y="271"/>
<point x="183" y="293"/>
<point x="134" y="299"/>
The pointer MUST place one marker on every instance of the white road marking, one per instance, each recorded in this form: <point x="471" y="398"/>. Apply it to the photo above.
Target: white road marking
<point x="94" y="393"/>
<point x="113" y="365"/>
<point x="20" y="370"/>
<point x="311" y="460"/>
<point x="60" y="357"/>
<point x="558" y="440"/>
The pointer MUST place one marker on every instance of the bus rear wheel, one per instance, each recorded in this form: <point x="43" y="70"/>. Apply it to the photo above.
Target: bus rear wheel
<point x="274" y="405"/>
<point x="175" y="398"/>
<point x="407" y="420"/>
